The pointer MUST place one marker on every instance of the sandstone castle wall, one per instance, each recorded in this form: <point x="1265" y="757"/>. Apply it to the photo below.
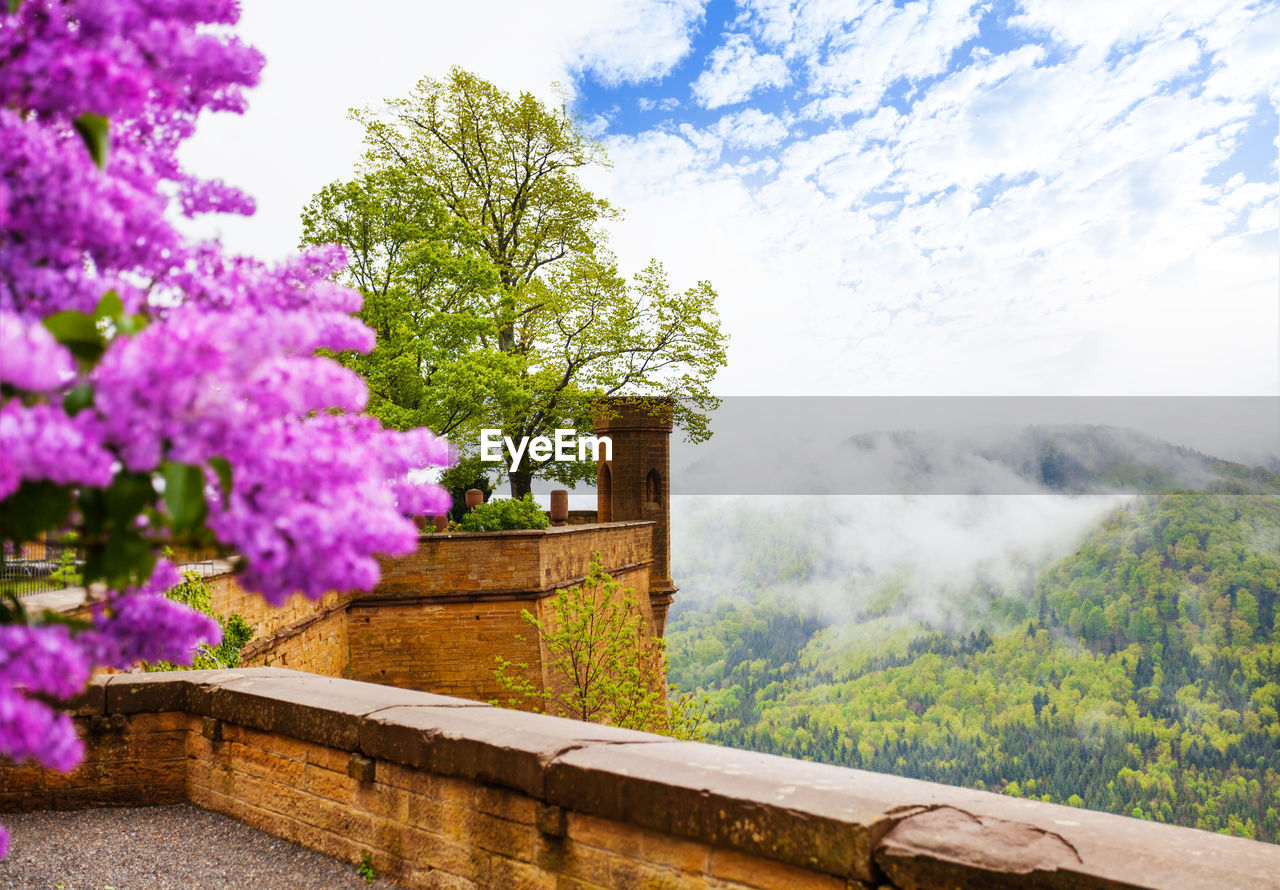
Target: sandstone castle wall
<point x="450" y="793"/>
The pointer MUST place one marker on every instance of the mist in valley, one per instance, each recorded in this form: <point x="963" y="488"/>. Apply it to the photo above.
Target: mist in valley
<point x="845" y="558"/>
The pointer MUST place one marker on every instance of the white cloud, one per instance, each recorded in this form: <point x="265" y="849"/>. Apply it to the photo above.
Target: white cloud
<point x="751" y="128"/>
<point x="628" y="42"/>
<point x="886" y="44"/>
<point x="1048" y="219"/>
<point x="735" y="71"/>
<point x="854" y="50"/>
<point x="1029" y="226"/>
<point x="668" y="104"/>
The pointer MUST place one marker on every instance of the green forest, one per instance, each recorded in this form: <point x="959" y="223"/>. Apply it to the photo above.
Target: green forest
<point x="1138" y="674"/>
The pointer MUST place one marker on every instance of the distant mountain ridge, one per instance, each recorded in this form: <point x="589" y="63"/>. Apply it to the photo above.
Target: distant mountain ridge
<point x="1064" y="458"/>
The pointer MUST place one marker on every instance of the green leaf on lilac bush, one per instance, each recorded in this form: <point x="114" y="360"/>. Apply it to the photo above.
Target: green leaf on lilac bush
<point x="222" y="467"/>
<point x="127" y="496"/>
<point x="131" y="324"/>
<point x="36" y="506"/>
<point x="125" y="559"/>
<point x="11" y="609"/>
<point x="79" y="398"/>
<point x="184" y="493"/>
<point x="95" y="130"/>
<point x="48" y="616"/>
<point x="110" y="306"/>
<point x="78" y="332"/>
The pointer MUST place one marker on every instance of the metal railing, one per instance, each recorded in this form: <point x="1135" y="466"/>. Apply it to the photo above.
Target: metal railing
<point x="55" y="562"/>
<point x="51" y="563"/>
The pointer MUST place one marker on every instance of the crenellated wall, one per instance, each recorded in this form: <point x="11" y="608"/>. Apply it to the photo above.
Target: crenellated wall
<point x="450" y="793"/>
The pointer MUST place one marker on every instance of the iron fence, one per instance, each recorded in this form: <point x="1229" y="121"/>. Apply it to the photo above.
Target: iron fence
<point x="51" y="563"/>
<point x="55" y="562"/>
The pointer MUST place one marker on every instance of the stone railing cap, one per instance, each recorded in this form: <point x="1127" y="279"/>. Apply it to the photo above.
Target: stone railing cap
<point x="839" y="821"/>
<point x="536" y="532"/>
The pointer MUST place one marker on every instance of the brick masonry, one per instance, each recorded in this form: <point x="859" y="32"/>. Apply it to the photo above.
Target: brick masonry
<point x="440" y="616"/>
<point x="636" y="482"/>
<point x="449" y="793"/>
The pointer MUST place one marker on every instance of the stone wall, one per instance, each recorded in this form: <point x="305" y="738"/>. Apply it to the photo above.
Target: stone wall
<point x="493" y="565"/>
<point x="448" y="648"/>
<point x="441" y="615"/>
<point x="636" y="482"/>
<point x="449" y="793"/>
<point x="320" y="645"/>
<point x="271" y="624"/>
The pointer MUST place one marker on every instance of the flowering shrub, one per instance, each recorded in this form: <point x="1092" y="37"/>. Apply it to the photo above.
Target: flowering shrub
<point x="156" y="390"/>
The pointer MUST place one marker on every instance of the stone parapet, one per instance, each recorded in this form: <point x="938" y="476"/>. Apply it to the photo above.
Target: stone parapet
<point x="446" y="792"/>
<point x="511" y="564"/>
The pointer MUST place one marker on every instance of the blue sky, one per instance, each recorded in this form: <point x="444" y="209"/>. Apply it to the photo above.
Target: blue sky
<point x="934" y="197"/>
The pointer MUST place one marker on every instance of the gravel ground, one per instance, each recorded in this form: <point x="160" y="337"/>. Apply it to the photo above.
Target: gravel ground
<point x="177" y="847"/>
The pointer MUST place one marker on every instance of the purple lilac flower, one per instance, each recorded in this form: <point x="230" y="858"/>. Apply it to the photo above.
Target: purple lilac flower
<point x="32" y="359"/>
<point x="42" y="442"/>
<point x="226" y="366"/>
<point x="32" y="729"/>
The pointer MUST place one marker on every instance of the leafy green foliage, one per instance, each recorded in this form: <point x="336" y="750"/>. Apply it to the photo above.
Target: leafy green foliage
<point x="77" y="399"/>
<point x="184" y="493"/>
<point x="487" y="278"/>
<point x="117" y="522"/>
<point x="87" y="335"/>
<point x="1139" y="675"/>
<point x="365" y="869"/>
<point x="504" y="515"/>
<point x="604" y="664"/>
<point x="466" y="474"/>
<point x="236" y="632"/>
<point x="68" y="571"/>
<point x="95" y="130"/>
<point x="78" y="332"/>
<point x="425" y="284"/>
<point x="33" y="508"/>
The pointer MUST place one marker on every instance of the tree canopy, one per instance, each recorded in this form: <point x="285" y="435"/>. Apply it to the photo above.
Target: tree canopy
<point x="487" y="276"/>
<point x="1140" y="674"/>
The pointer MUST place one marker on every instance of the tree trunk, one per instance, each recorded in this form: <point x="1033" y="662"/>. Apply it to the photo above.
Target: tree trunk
<point x="521" y="482"/>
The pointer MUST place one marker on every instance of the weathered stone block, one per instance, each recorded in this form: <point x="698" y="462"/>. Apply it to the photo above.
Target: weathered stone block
<point x="489" y="745"/>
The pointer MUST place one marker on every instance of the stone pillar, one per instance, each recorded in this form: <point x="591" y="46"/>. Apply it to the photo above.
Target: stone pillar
<point x="559" y="511"/>
<point x="635" y="483"/>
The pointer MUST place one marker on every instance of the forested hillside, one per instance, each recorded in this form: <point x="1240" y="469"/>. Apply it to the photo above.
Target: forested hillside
<point x="1139" y="673"/>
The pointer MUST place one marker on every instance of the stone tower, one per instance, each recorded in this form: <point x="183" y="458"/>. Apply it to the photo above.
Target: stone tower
<point x="635" y="483"/>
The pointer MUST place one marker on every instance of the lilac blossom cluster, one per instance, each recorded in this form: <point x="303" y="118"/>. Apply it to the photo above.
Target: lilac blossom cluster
<point x="207" y="360"/>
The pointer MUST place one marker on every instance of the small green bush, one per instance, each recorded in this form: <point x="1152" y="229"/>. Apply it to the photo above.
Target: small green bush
<point x="466" y="474"/>
<point x="236" y="632"/>
<point x="505" y="515"/>
<point x="68" y="572"/>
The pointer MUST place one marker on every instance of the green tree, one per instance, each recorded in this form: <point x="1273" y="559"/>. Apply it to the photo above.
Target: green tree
<point x="424" y="290"/>
<point x="484" y="263"/>
<point x="604" y="665"/>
